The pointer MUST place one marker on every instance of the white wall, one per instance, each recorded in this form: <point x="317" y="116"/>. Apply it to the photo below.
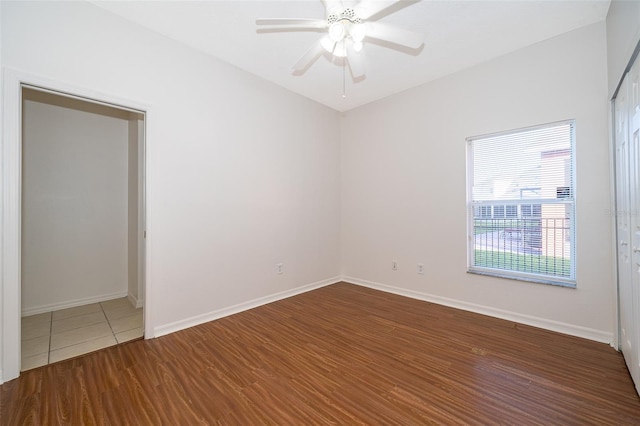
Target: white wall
<point x="404" y="182"/>
<point x="623" y="35"/>
<point x="241" y="173"/>
<point x="74" y="245"/>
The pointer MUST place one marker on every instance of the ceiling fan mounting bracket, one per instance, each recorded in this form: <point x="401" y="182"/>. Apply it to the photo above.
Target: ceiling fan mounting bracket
<point x="347" y="15"/>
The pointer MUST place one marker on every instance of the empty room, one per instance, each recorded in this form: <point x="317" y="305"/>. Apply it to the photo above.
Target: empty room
<point x="345" y="212"/>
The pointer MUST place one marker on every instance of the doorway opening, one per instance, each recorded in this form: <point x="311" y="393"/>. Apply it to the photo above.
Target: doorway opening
<point x="83" y="226"/>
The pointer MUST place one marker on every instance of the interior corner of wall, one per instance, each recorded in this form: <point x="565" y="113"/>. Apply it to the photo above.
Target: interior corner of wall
<point x="137" y="303"/>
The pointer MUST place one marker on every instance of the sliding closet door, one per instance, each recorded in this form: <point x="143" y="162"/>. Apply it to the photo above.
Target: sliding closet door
<point x="634" y="191"/>
<point x="622" y="220"/>
<point x="627" y="145"/>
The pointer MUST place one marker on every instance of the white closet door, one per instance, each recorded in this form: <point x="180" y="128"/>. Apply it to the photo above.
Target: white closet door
<point x="627" y="146"/>
<point x="623" y="180"/>
<point x="633" y="328"/>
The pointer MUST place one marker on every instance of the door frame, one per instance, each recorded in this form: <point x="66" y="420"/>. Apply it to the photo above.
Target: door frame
<point x="11" y="184"/>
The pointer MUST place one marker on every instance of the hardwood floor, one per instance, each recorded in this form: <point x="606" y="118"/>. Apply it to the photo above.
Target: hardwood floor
<point x="341" y="354"/>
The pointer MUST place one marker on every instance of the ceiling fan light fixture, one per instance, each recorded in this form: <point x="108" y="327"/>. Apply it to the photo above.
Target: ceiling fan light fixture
<point x="328" y="44"/>
<point x="336" y="31"/>
<point x="357" y="32"/>
<point x="357" y="46"/>
<point x="340" y="50"/>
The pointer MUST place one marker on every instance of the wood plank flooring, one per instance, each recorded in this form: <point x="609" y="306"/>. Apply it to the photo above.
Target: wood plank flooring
<point x="341" y="354"/>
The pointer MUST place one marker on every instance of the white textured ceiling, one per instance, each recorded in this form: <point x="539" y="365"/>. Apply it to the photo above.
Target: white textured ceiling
<point x="458" y="34"/>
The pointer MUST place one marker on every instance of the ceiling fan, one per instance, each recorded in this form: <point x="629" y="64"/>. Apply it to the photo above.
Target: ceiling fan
<point x="347" y="28"/>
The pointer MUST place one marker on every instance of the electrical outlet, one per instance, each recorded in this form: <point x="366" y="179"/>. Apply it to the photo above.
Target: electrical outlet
<point x="394" y="265"/>
<point x="420" y="269"/>
<point x="279" y="268"/>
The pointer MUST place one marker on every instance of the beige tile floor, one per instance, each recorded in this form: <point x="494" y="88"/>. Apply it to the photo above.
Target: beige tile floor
<point x="58" y="335"/>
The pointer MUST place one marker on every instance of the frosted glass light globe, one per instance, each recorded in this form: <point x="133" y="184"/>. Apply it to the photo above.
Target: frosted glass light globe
<point x="336" y="31"/>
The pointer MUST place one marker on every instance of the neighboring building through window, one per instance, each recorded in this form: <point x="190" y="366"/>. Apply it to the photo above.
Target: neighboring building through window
<point x="522" y="204"/>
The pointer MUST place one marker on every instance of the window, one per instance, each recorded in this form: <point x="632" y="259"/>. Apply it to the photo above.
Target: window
<point x="522" y="204"/>
<point x="531" y="210"/>
<point x="484" y="211"/>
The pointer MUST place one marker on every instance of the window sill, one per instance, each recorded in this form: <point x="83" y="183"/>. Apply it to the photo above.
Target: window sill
<point x="524" y="277"/>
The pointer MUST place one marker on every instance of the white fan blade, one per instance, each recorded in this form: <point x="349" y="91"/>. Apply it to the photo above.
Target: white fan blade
<point x="309" y="57"/>
<point x="332" y="5"/>
<point x="368" y="8"/>
<point x="356" y="63"/>
<point x="394" y="35"/>
<point x="298" y="23"/>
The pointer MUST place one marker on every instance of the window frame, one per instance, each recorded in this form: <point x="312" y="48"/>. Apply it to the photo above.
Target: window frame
<point x="472" y="206"/>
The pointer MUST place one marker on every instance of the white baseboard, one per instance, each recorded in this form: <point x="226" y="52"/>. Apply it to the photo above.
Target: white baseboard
<point x="71" y="304"/>
<point x="560" y="327"/>
<point x="220" y="313"/>
<point x="137" y="303"/>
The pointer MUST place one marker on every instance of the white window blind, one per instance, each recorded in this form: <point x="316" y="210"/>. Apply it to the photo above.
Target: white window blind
<point x="522" y="205"/>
